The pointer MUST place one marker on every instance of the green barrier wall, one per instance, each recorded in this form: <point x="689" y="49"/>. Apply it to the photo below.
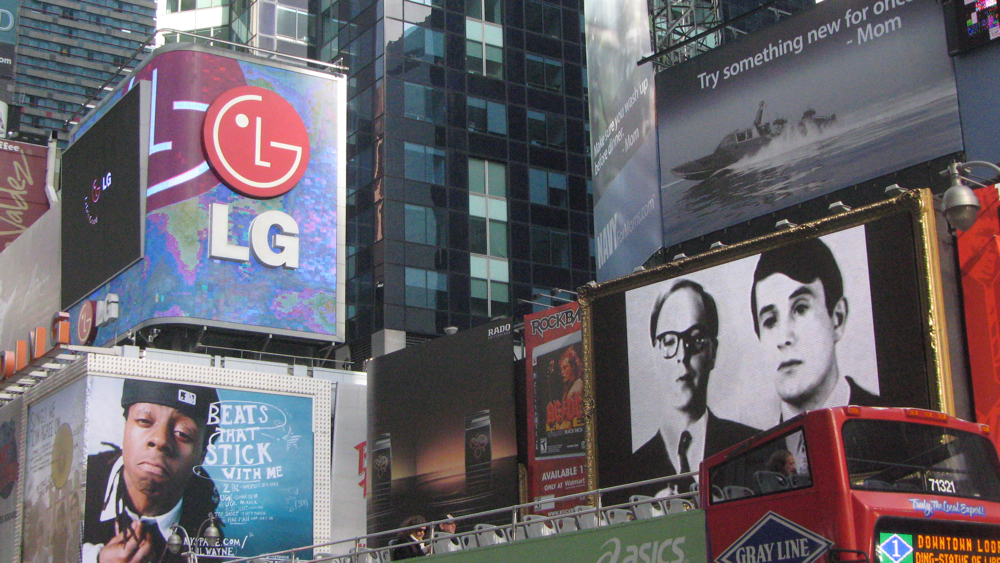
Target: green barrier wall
<point x="678" y="538"/>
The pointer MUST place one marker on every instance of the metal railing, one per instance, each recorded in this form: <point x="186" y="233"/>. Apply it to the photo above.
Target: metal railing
<point x="92" y="102"/>
<point x="363" y="549"/>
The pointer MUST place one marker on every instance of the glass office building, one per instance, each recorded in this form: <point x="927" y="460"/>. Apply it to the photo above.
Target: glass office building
<point x="68" y="50"/>
<point x="468" y="160"/>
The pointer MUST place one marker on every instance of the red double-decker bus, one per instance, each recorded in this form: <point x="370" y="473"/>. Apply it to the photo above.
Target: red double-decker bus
<point x="856" y="484"/>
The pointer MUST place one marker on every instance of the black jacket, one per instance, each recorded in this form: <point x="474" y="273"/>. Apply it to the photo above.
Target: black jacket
<point x="200" y="498"/>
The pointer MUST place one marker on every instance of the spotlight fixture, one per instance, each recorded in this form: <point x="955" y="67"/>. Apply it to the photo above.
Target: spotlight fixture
<point x="839" y="207"/>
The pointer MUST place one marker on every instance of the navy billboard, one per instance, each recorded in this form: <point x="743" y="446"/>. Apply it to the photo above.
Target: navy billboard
<point x="622" y="139"/>
<point x="840" y="94"/>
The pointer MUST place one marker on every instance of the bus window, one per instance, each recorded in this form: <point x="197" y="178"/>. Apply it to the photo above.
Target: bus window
<point x="922" y="457"/>
<point x="776" y="466"/>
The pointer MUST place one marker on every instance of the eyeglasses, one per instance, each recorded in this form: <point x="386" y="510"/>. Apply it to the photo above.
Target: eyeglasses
<point x="695" y="341"/>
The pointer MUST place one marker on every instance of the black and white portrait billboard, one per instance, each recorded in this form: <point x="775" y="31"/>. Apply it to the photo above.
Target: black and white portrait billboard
<point x="839" y="94"/>
<point x="698" y="355"/>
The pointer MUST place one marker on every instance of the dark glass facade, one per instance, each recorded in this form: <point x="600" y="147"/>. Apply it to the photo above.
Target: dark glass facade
<point x="468" y="171"/>
<point x="67" y="50"/>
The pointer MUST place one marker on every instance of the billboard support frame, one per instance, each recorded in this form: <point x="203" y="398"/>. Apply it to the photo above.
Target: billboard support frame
<point x="918" y="204"/>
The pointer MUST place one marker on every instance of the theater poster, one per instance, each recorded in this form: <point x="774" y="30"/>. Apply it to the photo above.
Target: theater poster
<point x="555" y="385"/>
<point x="255" y="471"/>
<point x="11" y="434"/>
<point x="729" y="342"/>
<point x="836" y="95"/>
<point x="54" y="472"/>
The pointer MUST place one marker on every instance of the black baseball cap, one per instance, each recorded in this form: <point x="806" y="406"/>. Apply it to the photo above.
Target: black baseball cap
<point x="191" y="400"/>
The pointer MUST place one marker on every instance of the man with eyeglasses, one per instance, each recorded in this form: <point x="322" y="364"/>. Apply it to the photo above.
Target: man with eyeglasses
<point x="683" y="329"/>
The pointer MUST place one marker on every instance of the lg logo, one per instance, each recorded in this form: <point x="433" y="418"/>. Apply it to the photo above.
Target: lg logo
<point x="257" y="143"/>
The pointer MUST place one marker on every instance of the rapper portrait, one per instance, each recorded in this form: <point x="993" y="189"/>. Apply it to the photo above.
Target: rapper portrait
<point x="149" y="477"/>
<point x="720" y="353"/>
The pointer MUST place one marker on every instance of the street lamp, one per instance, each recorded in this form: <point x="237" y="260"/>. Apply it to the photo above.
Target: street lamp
<point x="212" y="535"/>
<point x="961" y="206"/>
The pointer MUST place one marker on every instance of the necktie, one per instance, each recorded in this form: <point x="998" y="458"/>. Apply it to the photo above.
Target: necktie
<point x="682" y="451"/>
<point x="684" y="485"/>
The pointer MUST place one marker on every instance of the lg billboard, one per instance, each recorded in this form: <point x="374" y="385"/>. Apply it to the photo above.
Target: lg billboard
<point x="244" y="218"/>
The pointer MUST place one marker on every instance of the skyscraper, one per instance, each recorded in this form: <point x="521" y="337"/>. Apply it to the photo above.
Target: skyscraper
<point x="68" y="50"/>
<point x="468" y="160"/>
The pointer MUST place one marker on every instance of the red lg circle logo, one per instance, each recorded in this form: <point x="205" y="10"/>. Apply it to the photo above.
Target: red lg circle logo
<point x="256" y="142"/>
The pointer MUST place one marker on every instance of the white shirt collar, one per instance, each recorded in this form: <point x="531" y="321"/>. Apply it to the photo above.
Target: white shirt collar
<point x="164" y="521"/>
<point x="840" y="396"/>
<point x="696" y="451"/>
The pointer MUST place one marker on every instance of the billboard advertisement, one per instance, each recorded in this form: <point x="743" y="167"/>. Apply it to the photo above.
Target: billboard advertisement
<point x="555" y="388"/>
<point x="22" y="191"/>
<point x="841" y="93"/>
<point x="11" y="434"/>
<point x="623" y="143"/>
<point x="245" y="204"/>
<point x="54" y="472"/>
<point x="103" y="193"/>
<point x="349" y="475"/>
<point x="8" y="21"/>
<point x="30" y="293"/>
<point x="245" y="455"/>
<point x="980" y="266"/>
<point x="702" y="353"/>
<point x="441" y="428"/>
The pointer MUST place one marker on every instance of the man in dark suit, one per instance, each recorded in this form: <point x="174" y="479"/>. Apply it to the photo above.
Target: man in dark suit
<point x="800" y="313"/>
<point x="136" y="493"/>
<point x="684" y="329"/>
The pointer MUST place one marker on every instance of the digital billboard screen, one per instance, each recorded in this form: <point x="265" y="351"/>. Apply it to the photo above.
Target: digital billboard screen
<point x="441" y="429"/>
<point x="724" y="344"/>
<point x="836" y="95"/>
<point x="977" y="22"/>
<point x="245" y="219"/>
<point x="103" y="189"/>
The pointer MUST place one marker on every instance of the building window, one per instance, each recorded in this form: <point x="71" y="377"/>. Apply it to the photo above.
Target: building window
<point x="293" y="24"/>
<point x="426" y="225"/>
<point x="426" y="289"/>
<point x="486" y="116"/>
<point x="484" y="48"/>
<point x="550" y="246"/>
<point x="424" y="44"/>
<point x="202" y="35"/>
<point x="487" y="177"/>
<point x="544" y="73"/>
<point x="432" y="3"/>
<point x="543" y="19"/>
<point x="423" y="163"/>
<point x="545" y="129"/>
<point x="488" y="226"/>
<point x="547" y="188"/>
<point x="490" y="287"/>
<point x="486" y="10"/>
<point x="424" y="103"/>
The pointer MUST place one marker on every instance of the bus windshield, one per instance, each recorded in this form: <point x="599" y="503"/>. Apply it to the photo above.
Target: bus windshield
<point x="885" y="455"/>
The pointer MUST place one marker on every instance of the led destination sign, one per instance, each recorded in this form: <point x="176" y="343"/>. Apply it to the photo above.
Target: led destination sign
<point x="932" y="548"/>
